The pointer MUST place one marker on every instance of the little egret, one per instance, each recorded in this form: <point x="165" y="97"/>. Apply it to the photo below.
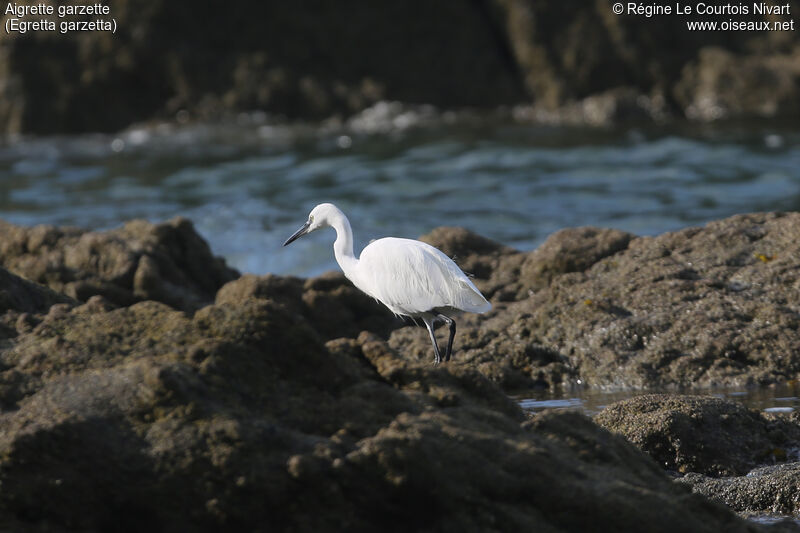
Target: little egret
<point x="409" y="277"/>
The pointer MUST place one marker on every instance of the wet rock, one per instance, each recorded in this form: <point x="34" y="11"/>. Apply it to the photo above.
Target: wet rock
<point x="699" y="307"/>
<point x="238" y="416"/>
<point x="701" y="434"/>
<point x="767" y="490"/>
<point x="167" y="262"/>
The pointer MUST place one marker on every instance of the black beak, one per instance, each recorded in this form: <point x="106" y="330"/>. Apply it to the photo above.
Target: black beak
<point x="297" y="234"/>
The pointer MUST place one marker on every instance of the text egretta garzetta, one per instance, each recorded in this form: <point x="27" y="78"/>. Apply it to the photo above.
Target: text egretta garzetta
<point x="409" y="277"/>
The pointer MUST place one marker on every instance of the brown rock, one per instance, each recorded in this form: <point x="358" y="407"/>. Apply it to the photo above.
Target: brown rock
<point x="237" y="416"/>
<point x="699" y="307"/>
<point x="570" y="250"/>
<point x="720" y="84"/>
<point x="240" y="435"/>
<point x="701" y="434"/>
<point x="350" y="59"/>
<point x="770" y="490"/>
<point x="330" y="302"/>
<point x="168" y="262"/>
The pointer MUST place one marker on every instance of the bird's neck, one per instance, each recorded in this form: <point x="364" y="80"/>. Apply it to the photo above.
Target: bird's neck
<point x="343" y="246"/>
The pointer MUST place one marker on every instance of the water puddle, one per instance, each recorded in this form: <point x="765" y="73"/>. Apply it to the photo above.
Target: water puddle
<point x="784" y="398"/>
<point x="778" y="399"/>
<point x="769" y="519"/>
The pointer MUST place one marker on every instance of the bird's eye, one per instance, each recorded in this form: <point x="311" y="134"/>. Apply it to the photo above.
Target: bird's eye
<point x="310" y="219"/>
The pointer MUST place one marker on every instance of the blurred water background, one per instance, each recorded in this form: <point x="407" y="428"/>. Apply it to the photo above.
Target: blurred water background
<point x="250" y="182"/>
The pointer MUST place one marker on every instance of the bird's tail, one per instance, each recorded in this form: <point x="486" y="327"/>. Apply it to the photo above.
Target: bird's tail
<point x="474" y="300"/>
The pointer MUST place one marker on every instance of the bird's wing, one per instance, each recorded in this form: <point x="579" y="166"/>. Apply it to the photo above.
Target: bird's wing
<point x="411" y="277"/>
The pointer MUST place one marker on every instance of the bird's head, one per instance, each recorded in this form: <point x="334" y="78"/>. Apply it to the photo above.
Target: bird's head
<point x="320" y="217"/>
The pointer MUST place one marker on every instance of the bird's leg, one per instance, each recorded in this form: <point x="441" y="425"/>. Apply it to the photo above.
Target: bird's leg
<point x="429" y="321"/>
<point x="452" y="325"/>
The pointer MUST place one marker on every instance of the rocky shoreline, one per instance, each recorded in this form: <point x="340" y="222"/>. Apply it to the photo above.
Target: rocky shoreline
<point x="563" y="63"/>
<point x="145" y="384"/>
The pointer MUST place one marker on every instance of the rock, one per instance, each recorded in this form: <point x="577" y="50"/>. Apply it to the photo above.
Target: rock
<point x="622" y="105"/>
<point x="238" y="416"/>
<point x="23" y="306"/>
<point x="588" y="65"/>
<point x="167" y="262"/>
<point x="701" y="434"/>
<point x="351" y="58"/>
<point x="330" y="302"/>
<point x="285" y="290"/>
<point x="700" y="307"/>
<point x="570" y="63"/>
<point x="504" y="274"/>
<point x="417" y="375"/>
<point x="461" y="243"/>
<point x="766" y="490"/>
<point x="570" y="250"/>
<point x="720" y="84"/>
<point x="22" y="296"/>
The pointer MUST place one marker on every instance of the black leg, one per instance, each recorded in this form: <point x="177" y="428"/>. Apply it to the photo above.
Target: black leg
<point x="452" y="324"/>
<point x="429" y="324"/>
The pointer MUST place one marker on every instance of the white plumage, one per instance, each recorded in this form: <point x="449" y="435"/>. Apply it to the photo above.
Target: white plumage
<point x="409" y="277"/>
<point x="412" y="277"/>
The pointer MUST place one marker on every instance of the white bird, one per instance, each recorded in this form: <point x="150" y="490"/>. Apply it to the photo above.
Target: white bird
<point x="409" y="277"/>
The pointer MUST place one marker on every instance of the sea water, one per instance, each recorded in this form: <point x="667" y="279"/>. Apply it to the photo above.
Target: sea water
<point x="248" y="183"/>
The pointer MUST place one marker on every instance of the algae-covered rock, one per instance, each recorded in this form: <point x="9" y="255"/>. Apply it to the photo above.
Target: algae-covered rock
<point x="703" y="307"/>
<point x="570" y="250"/>
<point x="701" y="434"/>
<point x="19" y="295"/>
<point x="330" y="302"/>
<point x="766" y="490"/>
<point x="168" y="262"/>
<point x="241" y="417"/>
